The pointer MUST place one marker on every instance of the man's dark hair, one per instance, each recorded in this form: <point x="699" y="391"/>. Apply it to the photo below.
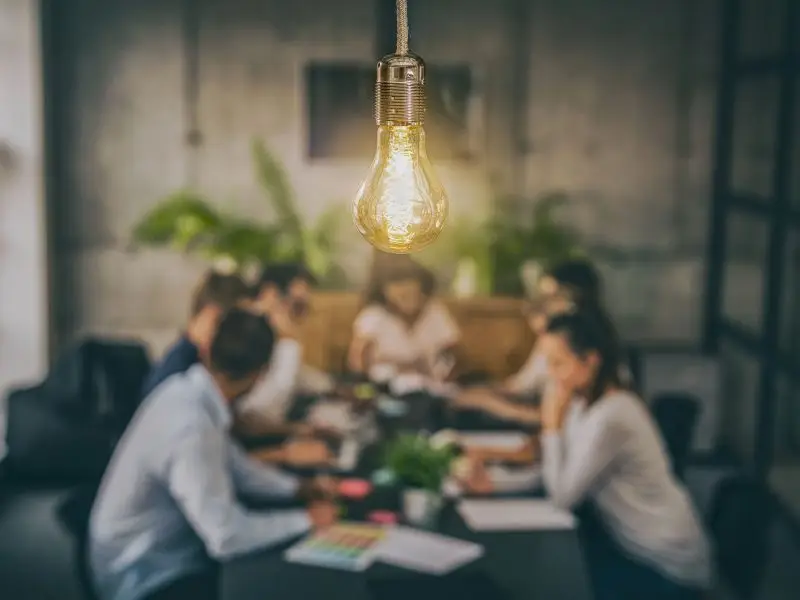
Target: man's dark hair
<point x="242" y="345"/>
<point x="282" y="275"/>
<point x="225" y="291"/>
<point x="581" y="278"/>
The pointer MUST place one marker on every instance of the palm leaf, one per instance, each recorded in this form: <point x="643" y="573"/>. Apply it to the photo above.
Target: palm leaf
<point x="244" y="243"/>
<point x="275" y="183"/>
<point x="181" y="221"/>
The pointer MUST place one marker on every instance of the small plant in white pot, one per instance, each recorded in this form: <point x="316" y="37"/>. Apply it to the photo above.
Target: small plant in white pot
<point x="421" y="465"/>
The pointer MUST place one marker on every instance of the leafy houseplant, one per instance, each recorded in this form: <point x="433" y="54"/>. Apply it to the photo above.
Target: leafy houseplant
<point x="542" y="239"/>
<point x="187" y="222"/>
<point x="421" y="467"/>
<point x="418" y="463"/>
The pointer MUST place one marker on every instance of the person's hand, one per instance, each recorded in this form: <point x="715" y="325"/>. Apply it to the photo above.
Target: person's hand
<point x="555" y="403"/>
<point x="282" y="321"/>
<point x="472" y="398"/>
<point x="325" y="486"/>
<point x="477" y="480"/>
<point x="318" y="488"/>
<point x="323" y="514"/>
<point x="306" y="453"/>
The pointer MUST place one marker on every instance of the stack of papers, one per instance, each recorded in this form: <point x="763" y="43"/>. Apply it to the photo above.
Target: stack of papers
<point x="355" y="546"/>
<point x="508" y="480"/>
<point x="426" y="552"/>
<point x="332" y="415"/>
<point x="514" y="515"/>
<point x="494" y="440"/>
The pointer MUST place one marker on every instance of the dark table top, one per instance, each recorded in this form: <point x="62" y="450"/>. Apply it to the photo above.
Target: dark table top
<point x="520" y="565"/>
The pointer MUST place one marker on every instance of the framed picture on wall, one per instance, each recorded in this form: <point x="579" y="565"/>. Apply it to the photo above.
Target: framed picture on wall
<point x="339" y="105"/>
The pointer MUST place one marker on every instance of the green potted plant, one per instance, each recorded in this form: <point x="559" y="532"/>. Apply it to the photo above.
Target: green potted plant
<point x="420" y="465"/>
<point x="466" y="244"/>
<point x="187" y="222"/>
<point x="523" y="247"/>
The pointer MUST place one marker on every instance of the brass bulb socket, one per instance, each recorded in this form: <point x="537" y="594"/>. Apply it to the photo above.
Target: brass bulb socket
<point x="400" y="90"/>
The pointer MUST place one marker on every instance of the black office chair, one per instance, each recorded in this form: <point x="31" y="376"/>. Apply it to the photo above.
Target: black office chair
<point x="739" y="520"/>
<point x="676" y="415"/>
<point x="73" y="513"/>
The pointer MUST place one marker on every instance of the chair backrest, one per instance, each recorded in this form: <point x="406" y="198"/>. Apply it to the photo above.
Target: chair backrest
<point x="676" y="415"/>
<point x="74" y="513"/>
<point x="739" y="520"/>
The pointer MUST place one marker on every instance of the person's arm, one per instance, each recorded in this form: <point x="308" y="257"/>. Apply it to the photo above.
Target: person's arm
<point x="259" y="480"/>
<point x="199" y="479"/>
<point x="365" y="327"/>
<point x="531" y="378"/>
<point x="572" y="467"/>
<point x="513" y="411"/>
<point x="273" y="392"/>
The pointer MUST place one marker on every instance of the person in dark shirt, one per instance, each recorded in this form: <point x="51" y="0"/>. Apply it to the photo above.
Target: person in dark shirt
<point x="216" y="294"/>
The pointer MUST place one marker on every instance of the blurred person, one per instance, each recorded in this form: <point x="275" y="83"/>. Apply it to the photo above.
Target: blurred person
<point x="167" y="507"/>
<point x="516" y="399"/>
<point x="403" y="328"/>
<point x="215" y="295"/>
<point x="603" y="457"/>
<point x="283" y="296"/>
<point x="578" y="279"/>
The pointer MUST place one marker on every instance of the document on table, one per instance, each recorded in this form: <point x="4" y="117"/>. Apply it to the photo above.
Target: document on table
<point x="514" y="515"/>
<point x="508" y="480"/>
<point x="496" y="440"/>
<point x="426" y="552"/>
<point x="334" y="415"/>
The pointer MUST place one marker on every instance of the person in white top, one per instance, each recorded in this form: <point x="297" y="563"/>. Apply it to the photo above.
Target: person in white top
<point x="568" y="286"/>
<point x="600" y="445"/>
<point x="283" y="295"/>
<point x="511" y="400"/>
<point x="403" y="328"/>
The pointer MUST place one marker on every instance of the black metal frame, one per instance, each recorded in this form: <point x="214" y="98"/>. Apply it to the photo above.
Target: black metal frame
<point x="778" y="213"/>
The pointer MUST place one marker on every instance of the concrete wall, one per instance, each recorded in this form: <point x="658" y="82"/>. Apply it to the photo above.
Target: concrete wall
<point x="617" y="101"/>
<point x="23" y="272"/>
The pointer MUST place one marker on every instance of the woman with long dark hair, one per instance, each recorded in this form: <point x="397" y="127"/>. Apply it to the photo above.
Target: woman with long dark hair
<point x="603" y="457"/>
<point x="570" y="286"/>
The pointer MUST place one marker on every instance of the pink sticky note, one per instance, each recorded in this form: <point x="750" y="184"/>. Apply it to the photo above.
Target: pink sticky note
<point x="383" y="517"/>
<point x="354" y="488"/>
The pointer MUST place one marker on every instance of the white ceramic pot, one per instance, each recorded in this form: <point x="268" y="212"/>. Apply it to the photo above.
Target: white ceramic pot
<point x="465" y="281"/>
<point x="421" y="507"/>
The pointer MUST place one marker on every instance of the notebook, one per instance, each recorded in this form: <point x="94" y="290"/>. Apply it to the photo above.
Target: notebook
<point x="514" y="515"/>
<point x="348" y="546"/>
<point x="426" y="552"/>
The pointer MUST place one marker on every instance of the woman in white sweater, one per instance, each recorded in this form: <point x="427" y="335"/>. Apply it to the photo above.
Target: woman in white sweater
<point x="603" y="457"/>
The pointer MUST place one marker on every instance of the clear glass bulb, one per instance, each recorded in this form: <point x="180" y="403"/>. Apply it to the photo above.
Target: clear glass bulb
<point x="401" y="206"/>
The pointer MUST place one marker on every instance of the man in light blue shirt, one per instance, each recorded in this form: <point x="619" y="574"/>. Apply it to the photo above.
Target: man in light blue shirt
<point x="167" y="508"/>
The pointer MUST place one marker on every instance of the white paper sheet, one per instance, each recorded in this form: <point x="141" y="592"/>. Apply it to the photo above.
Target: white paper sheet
<point x="335" y="415"/>
<point x="514" y="515"/>
<point x="507" y="480"/>
<point x="426" y="552"/>
<point x="496" y="440"/>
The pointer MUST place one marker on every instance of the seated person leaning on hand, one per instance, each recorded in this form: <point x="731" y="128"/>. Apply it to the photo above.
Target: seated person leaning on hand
<point x="513" y="399"/>
<point x="403" y="328"/>
<point x="603" y="456"/>
<point x="167" y="506"/>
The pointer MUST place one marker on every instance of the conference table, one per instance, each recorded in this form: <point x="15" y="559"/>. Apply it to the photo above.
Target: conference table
<point x="529" y="565"/>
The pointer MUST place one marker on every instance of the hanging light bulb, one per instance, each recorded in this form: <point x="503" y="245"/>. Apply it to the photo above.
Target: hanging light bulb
<point x="401" y="206"/>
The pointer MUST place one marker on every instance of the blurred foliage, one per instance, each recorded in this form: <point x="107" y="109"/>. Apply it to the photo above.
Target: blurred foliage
<point x="187" y="222"/>
<point x="538" y="236"/>
<point x="416" y="462"/>
<point x="500" y="246"/>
